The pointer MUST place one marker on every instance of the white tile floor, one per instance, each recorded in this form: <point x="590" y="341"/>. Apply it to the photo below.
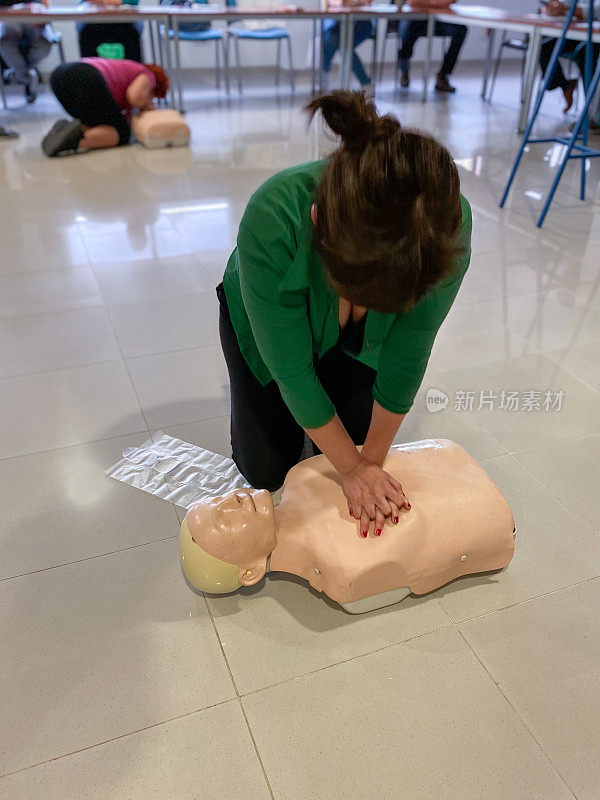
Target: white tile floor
<point x="116" y="681"/>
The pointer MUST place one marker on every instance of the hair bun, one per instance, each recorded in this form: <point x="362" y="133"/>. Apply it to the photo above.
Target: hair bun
<point x="354" y="118"/>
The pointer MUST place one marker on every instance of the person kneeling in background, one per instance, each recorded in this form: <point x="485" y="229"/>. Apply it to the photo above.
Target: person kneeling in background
<point x="101" y="94"/>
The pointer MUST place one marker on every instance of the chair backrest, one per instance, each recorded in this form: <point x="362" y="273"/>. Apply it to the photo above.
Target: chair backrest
<point x="189" y="27"/>
<point x="253" y="5"/>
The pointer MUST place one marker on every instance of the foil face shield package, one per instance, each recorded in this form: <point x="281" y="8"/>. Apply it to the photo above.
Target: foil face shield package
<point x="184" y="473"/>
<point x="177" y="471"/>
<point x="422" y="444"/>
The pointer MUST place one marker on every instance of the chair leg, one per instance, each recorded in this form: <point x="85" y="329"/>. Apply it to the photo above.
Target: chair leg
<point x="224" y="42"/>
<point x="238" y="63"/>
<point x="496" y="67"/>
<point x="381" y="59"/>
<point x="61" y="51"/>
<point x="291" y="64"/>
<point x="3" y="92"/>
<point x="217" y="64"/>
<point x="152" y="44"/>
<point x="278" y="62"/>
<point x="374" y="54"/>
<point x="397" y="65"/>
<point x="313" y="60"/>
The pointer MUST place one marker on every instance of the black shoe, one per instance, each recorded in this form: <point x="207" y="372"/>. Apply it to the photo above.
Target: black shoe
<point x="63" y="138"/>
<point x="404" y="80"/>
<point x="6" y="133"/>
<point x="442" y="85"/>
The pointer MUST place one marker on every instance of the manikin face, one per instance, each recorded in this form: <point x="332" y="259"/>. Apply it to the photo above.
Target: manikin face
<point x="229" y="539"/>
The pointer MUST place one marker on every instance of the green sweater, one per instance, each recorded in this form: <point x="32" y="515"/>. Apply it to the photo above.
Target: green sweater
<point x="283" y="310"/>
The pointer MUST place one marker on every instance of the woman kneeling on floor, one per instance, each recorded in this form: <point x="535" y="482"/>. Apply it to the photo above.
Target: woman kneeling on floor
<point x="101" y="94"/>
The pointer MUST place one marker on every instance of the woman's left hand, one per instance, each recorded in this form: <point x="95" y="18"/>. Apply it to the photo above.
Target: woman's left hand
<point x="372" y="495"/>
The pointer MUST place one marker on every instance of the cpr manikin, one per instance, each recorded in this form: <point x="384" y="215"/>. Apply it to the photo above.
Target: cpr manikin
<point x="459" y="524"/>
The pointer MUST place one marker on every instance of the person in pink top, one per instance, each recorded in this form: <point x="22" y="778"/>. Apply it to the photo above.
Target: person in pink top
<point x="101" y="95"/>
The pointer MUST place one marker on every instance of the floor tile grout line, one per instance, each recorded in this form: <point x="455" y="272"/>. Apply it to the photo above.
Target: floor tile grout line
<point x="585" y="522"/>
<point x="560" y="500"/>
<point x="121" y="358"/>
<point x="109" y="438"/>
<point x="451" y="624"/>
<point x="568" y="370"/>
<point x="76" y="444"/>
<point x="445" y="610"/>
<point x="529" y="600"/>
<point x="116" y="738"/>
<point x="90" y="558"/>
<point x="61" y="369"/>
<point x="128" y="371"/>
<point x="516" y="712"/>
<point x="239" y="699"/>
<point x="537" y="447"/>
<point x="346" y="660"/>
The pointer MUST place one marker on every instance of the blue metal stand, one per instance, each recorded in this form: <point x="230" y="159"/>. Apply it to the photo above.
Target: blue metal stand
<point x="576" y="144"/>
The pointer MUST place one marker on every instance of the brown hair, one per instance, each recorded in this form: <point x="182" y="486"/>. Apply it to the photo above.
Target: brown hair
<point x="160" y="76"/>
<point x="388" y="206"/>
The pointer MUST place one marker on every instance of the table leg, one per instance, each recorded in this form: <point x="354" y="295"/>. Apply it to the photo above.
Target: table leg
<point x="151" y="37"/>
<point x="346" y="42"/>
<point x="313" y="58"/>
<point x="531" y="65"/>
<point x="177" y="63"/>
<point x="167" y="24"/>
<point x="3" y="93"/>
<point x="488" y="61"/>
<point x="321" y="56"/>
<point x="427" y="62"/>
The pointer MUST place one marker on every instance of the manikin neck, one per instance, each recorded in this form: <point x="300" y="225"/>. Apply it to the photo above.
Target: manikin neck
<point x="280" y="559"/>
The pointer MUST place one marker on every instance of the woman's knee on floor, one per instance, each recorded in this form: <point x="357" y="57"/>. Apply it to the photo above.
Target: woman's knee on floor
<point x="268" y="474"/>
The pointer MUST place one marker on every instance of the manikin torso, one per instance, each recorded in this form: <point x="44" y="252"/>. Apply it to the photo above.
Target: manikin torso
<point x="457" y="511"/>
<point x="459" y="524"/>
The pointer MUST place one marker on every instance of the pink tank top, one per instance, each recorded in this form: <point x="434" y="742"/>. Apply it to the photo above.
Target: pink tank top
<point x="118" y="74"/>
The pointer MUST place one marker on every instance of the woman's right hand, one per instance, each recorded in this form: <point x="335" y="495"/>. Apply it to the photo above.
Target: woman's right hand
<point x="373" y="494"/>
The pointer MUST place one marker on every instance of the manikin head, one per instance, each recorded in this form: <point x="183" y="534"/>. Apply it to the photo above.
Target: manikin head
<point x="225" y="541"/>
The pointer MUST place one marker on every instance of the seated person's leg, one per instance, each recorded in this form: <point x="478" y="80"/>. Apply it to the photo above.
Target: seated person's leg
<point x="409" y="32"/>
<point x="558" y="79"/>
<point x="10" y="36"/>
<point x="457" y="34"/>
<point x="580" y="55"/>
<point x="90" y="39"/>
<point x="130" y="34"/>
<point x="331" y="42"/>
<point x="37" y="48"/>
<point x="362" y="31"/>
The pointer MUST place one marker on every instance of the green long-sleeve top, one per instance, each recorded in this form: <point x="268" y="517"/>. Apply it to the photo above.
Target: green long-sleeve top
<point x="284" y="312"/>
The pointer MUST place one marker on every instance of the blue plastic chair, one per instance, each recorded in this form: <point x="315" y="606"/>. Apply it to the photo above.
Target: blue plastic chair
<point x="267" y="34"/>
<point x="210" y="35"/>
<point x="200" y="31"/>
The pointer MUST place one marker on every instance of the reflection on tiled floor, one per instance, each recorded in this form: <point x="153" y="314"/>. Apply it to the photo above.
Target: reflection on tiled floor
<point x="116" y="680"/>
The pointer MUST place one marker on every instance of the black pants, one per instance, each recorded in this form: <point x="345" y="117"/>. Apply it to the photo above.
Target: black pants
<point x="570" y="46"/>
<point x="92" y="35"/>
<point x="411" y="31"/>
<point x="266" y="440"/>
<point x="82" y="92"/>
